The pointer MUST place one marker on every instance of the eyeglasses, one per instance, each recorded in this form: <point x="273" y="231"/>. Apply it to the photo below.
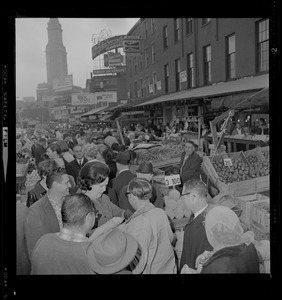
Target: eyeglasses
<point x="185" y="194"/>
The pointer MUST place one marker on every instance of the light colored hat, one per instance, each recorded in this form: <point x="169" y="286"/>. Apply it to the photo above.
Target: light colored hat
<point x="223" y="228"/>
<point x="111" y="252"/>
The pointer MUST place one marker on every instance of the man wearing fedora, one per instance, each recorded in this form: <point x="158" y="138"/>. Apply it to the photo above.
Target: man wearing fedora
<point x="123" y="174"/>
<point x="114" y="252"/>
<point x="145" y="171"/>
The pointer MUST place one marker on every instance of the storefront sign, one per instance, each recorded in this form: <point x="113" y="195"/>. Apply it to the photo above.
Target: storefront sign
<point x="172" y="180"/>
<point x="107" y="45"/>
<point x="109" y="71"/>
<point x="83" y="99"/>
<point x="106" y="96"/>
<point x="93" y="98"/>
<point x="131" y="46"/>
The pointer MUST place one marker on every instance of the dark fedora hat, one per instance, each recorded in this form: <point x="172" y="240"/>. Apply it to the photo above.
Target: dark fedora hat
<point x="145" y="168"/>
<point x="123" y="158"/>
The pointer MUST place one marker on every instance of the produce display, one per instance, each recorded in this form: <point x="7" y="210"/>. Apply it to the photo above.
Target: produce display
<point x="261" y="167"/>
<point x="159" y="153"/>
<point x="175" y="206"/>
<point x="241" y="170"/>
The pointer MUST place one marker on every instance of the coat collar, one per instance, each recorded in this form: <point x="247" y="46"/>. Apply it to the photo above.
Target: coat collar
<point x="149" y="206"/>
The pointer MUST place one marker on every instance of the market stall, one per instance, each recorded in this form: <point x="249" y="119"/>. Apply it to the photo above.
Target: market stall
<point x="245" y="175"/>
<point x="248" y="141"/>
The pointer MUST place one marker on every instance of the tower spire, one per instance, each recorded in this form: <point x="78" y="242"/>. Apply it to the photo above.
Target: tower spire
<point x="56" y="55"/>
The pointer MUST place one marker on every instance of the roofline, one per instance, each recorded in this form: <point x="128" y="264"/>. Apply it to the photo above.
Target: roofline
<point x="134" y="27"/>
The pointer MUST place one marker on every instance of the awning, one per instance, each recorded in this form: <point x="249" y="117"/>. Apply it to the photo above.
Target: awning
<point x="94" y="111"/>
<point x="104" y="117"/>
<point x="111" y="108"/>
<point x="218" y="89"/>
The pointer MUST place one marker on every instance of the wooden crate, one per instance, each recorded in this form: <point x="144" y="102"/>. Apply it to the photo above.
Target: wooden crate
<point x="260" y="217"/>
<point x="264" y="149"/>
<point x="262" y="184"/>
<point x="244" y="202"/>
<point x="245" y="187"/>
<point x="254" y="152"/>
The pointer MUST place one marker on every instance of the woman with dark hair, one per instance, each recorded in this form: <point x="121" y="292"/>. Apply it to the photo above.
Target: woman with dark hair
<point x="93" y="179"/>
<point x="66" y="155"/>
<point x="40" y="189"/>
<point x="109" y="157"/>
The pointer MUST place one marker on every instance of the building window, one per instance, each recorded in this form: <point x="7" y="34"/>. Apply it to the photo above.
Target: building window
<point x="146" y="58"/>
<point x="153" y="53"/>
<point x="141" y="88"/>
<point x="130" y="68"/>
<point x="177" y="74"/>
<point x="130" y="91"/>
<point x="147" y="85"/>
<point x="231" y="56"/>
<point x="153" y="26"/>
<point x="166" y="81"/>
<point x="190" y="71"/>
<point x="176" y="30"/>
<point x="154" y="83"/>
<point x="189" y="28"/>
<point x="207" y="64"/>
<point x="205" y="21"/>
<point x="263" y="45"/>
<point x="140" y="63"/>
<point x="135" y="89"/>
<point x="165" y="37"/>
<point x="145" y="30"/>
<point x="135" y="64"/>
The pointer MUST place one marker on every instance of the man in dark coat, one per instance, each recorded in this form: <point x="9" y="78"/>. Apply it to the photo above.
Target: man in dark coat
<point x="195" y="241"/>
<point x="145" y="171"/>
<point x="190" y="163"/>
<point x="123" y="174"/>
<point x="23" y="263"/>
<point x="190" y="166"/>
<point x="79" y="161"/>
<point x="44" y="216"/>
<point x="39" y="150"/>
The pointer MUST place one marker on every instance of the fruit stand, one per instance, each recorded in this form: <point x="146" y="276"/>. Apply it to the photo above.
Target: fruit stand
<point x="246" y="176"/>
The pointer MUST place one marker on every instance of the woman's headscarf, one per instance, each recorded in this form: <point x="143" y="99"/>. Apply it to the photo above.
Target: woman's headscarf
<point x="223" y="228"/>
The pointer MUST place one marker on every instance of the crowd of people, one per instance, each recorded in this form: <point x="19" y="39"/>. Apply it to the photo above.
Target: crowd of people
<point x="94" y="211"/>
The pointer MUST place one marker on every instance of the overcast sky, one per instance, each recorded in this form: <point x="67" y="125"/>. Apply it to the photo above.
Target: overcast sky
<point x="32" y="38"/>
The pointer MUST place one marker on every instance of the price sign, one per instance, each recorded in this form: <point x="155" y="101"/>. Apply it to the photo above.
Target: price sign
<point x="172" y="180"/>
<point x="227" y="162"/>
